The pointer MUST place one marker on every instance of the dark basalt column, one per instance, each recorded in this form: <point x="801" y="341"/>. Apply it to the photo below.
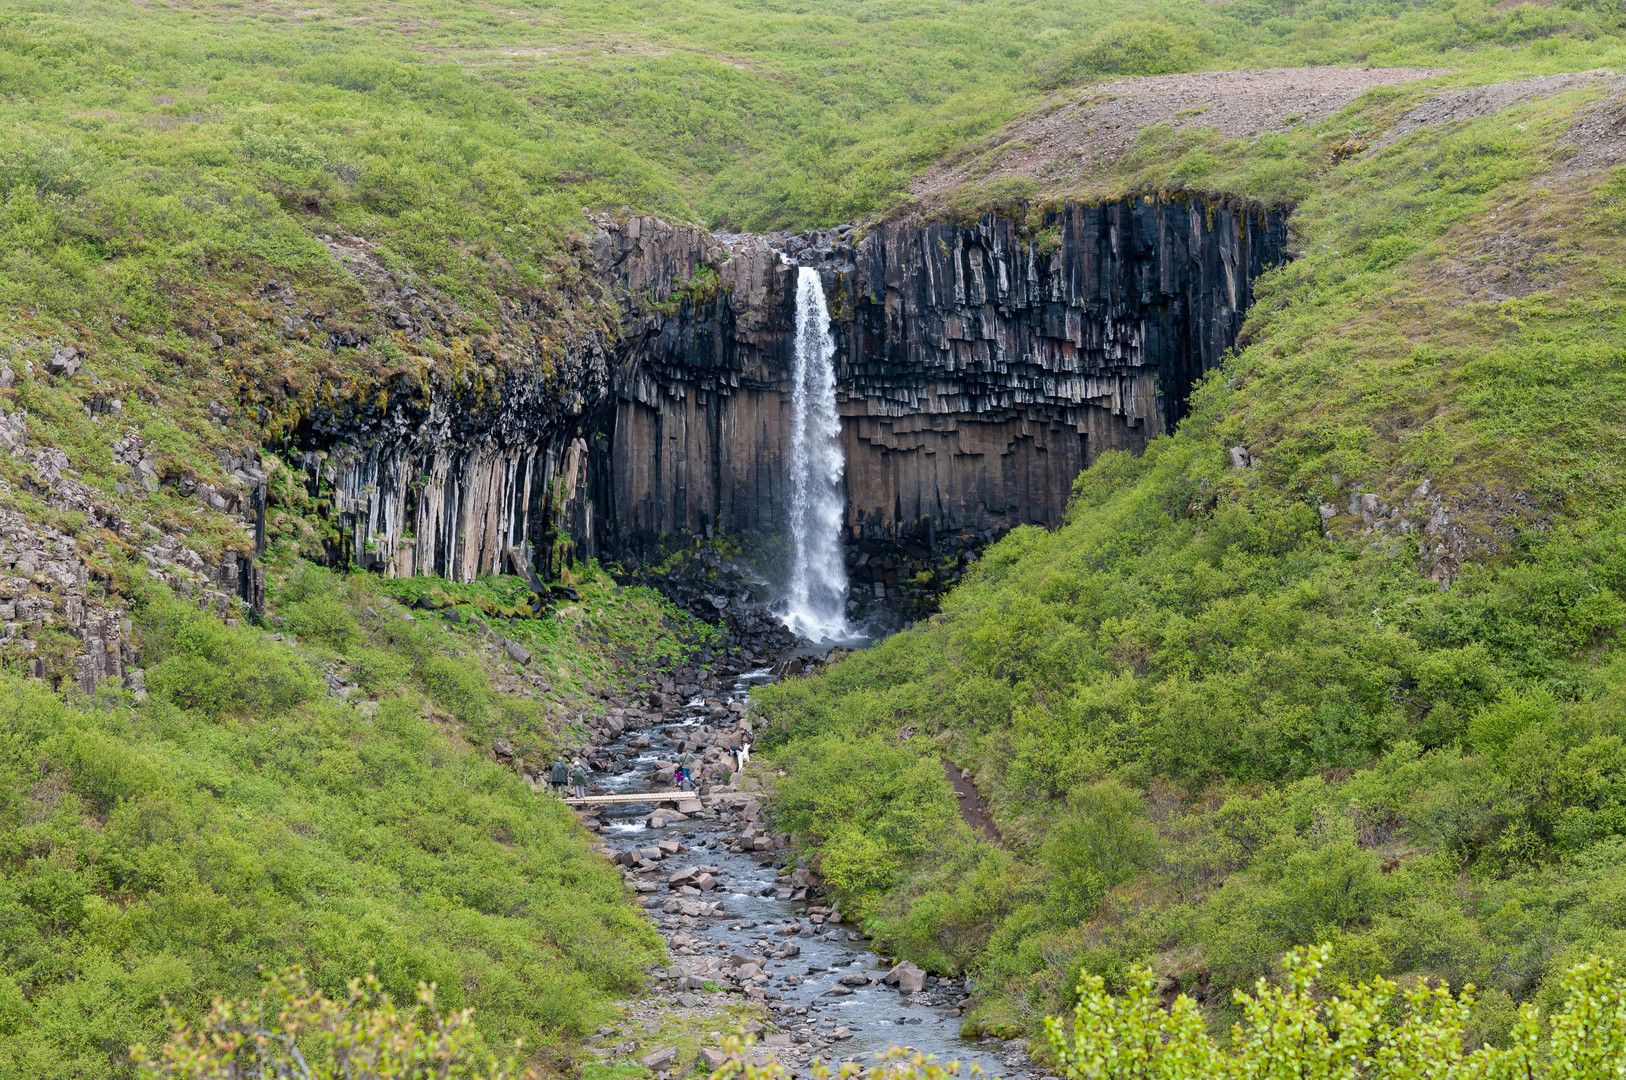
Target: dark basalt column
<point x="981" y="365"/>
<point x="979" y="368"/>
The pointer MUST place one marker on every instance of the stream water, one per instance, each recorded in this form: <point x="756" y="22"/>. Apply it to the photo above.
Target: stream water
<point x="826" y="1000"/>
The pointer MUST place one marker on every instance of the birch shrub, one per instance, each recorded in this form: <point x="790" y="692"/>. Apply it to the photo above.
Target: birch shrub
<point x="1292" y="1031"/>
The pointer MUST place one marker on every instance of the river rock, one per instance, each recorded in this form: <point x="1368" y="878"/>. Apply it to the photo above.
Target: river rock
<point x="906" y="977"/>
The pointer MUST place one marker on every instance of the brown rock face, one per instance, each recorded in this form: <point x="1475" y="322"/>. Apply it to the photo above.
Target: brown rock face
<point x="697" y="429"/>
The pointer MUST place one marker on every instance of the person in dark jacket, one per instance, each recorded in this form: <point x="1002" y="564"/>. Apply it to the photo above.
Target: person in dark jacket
<point x="578" y="780"/>
<point x="559" y="775"/>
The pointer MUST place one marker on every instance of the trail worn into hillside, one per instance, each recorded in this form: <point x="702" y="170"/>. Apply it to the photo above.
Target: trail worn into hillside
<point x="973" y="808"/>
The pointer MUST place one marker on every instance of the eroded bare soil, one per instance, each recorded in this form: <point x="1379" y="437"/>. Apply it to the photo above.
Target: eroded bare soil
<point x="1097" y="123"/>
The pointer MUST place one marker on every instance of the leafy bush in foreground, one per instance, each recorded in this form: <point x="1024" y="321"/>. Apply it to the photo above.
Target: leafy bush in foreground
<point x="293" y="1030"/>
<point x="1289" y="1031"/>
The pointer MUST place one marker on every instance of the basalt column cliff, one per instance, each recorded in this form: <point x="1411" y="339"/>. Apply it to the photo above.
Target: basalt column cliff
<point x="980" y="366"/>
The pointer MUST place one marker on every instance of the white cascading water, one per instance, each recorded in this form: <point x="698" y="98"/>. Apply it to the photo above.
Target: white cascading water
<point x="816" y="601"/>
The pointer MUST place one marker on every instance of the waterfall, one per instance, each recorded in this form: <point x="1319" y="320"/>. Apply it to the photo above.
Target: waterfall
<point x="815" y="606"/>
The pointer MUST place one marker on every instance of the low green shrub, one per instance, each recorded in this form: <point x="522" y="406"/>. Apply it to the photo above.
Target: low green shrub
<point x="295" y="1030"/>
<point x="1361" y="1031"/>
<point x="173" y="848"/>
<point x="1132" y="46"/>
<point x="197" y="662"/>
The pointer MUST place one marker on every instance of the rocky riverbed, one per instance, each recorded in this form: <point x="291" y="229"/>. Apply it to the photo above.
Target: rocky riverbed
<point x="754" y="941"/>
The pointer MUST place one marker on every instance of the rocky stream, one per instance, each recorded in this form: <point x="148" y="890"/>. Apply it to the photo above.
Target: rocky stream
<point x="743" y="924"/>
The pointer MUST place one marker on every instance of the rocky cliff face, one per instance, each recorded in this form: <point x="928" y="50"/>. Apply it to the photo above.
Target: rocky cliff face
<point x="980" y="366"/>
<point x="694" y="437"/>
<point x="984" y="369"/>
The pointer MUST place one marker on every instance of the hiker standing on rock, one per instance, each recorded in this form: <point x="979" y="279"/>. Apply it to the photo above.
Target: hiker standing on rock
<point x="559" y="775"/>
<point x="742" y="755"/>
<point x="578" y="780"/>
<point x="685" y="761"/>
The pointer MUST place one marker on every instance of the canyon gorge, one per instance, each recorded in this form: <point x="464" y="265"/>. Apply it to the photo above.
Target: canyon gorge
<point x="979" y="365"/>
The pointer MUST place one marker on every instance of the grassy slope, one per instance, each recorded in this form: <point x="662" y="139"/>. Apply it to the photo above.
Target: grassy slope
<point x="242" y="819"/>
<point x="163" y="161"/>
<point x="1210" y="732"/>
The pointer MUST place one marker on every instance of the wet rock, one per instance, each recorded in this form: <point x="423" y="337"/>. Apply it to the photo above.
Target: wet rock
<point x="906" y="977"/>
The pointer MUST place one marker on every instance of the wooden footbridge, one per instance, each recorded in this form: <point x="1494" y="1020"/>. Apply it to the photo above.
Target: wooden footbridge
<point x="636" y="797"/>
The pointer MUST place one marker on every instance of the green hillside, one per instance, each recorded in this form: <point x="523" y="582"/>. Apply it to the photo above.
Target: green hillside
<point x="1212" y="722"/>
<point x="1211" y="729"/>
<point x="242" y="820"/>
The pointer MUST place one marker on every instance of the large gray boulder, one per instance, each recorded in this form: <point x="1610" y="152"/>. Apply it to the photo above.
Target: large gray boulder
<point x="660" y="1059"/>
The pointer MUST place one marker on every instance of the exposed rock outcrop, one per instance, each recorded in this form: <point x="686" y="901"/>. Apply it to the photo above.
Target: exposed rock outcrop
<point x="980" y="366"/>
<point x="984" y="368"/>
<point x="60" y="621"/>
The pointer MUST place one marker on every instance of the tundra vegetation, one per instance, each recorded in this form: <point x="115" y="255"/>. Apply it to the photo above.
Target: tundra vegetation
<point x="1212" y="726"/>
<point x="1240" y="702"/>
<point x="243" y="820"/>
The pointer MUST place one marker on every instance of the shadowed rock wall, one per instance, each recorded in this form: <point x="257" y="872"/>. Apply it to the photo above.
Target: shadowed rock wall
<point x="696" y="433"/>
<point x="979" y="367"/>
<point x="447" y="483"/>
